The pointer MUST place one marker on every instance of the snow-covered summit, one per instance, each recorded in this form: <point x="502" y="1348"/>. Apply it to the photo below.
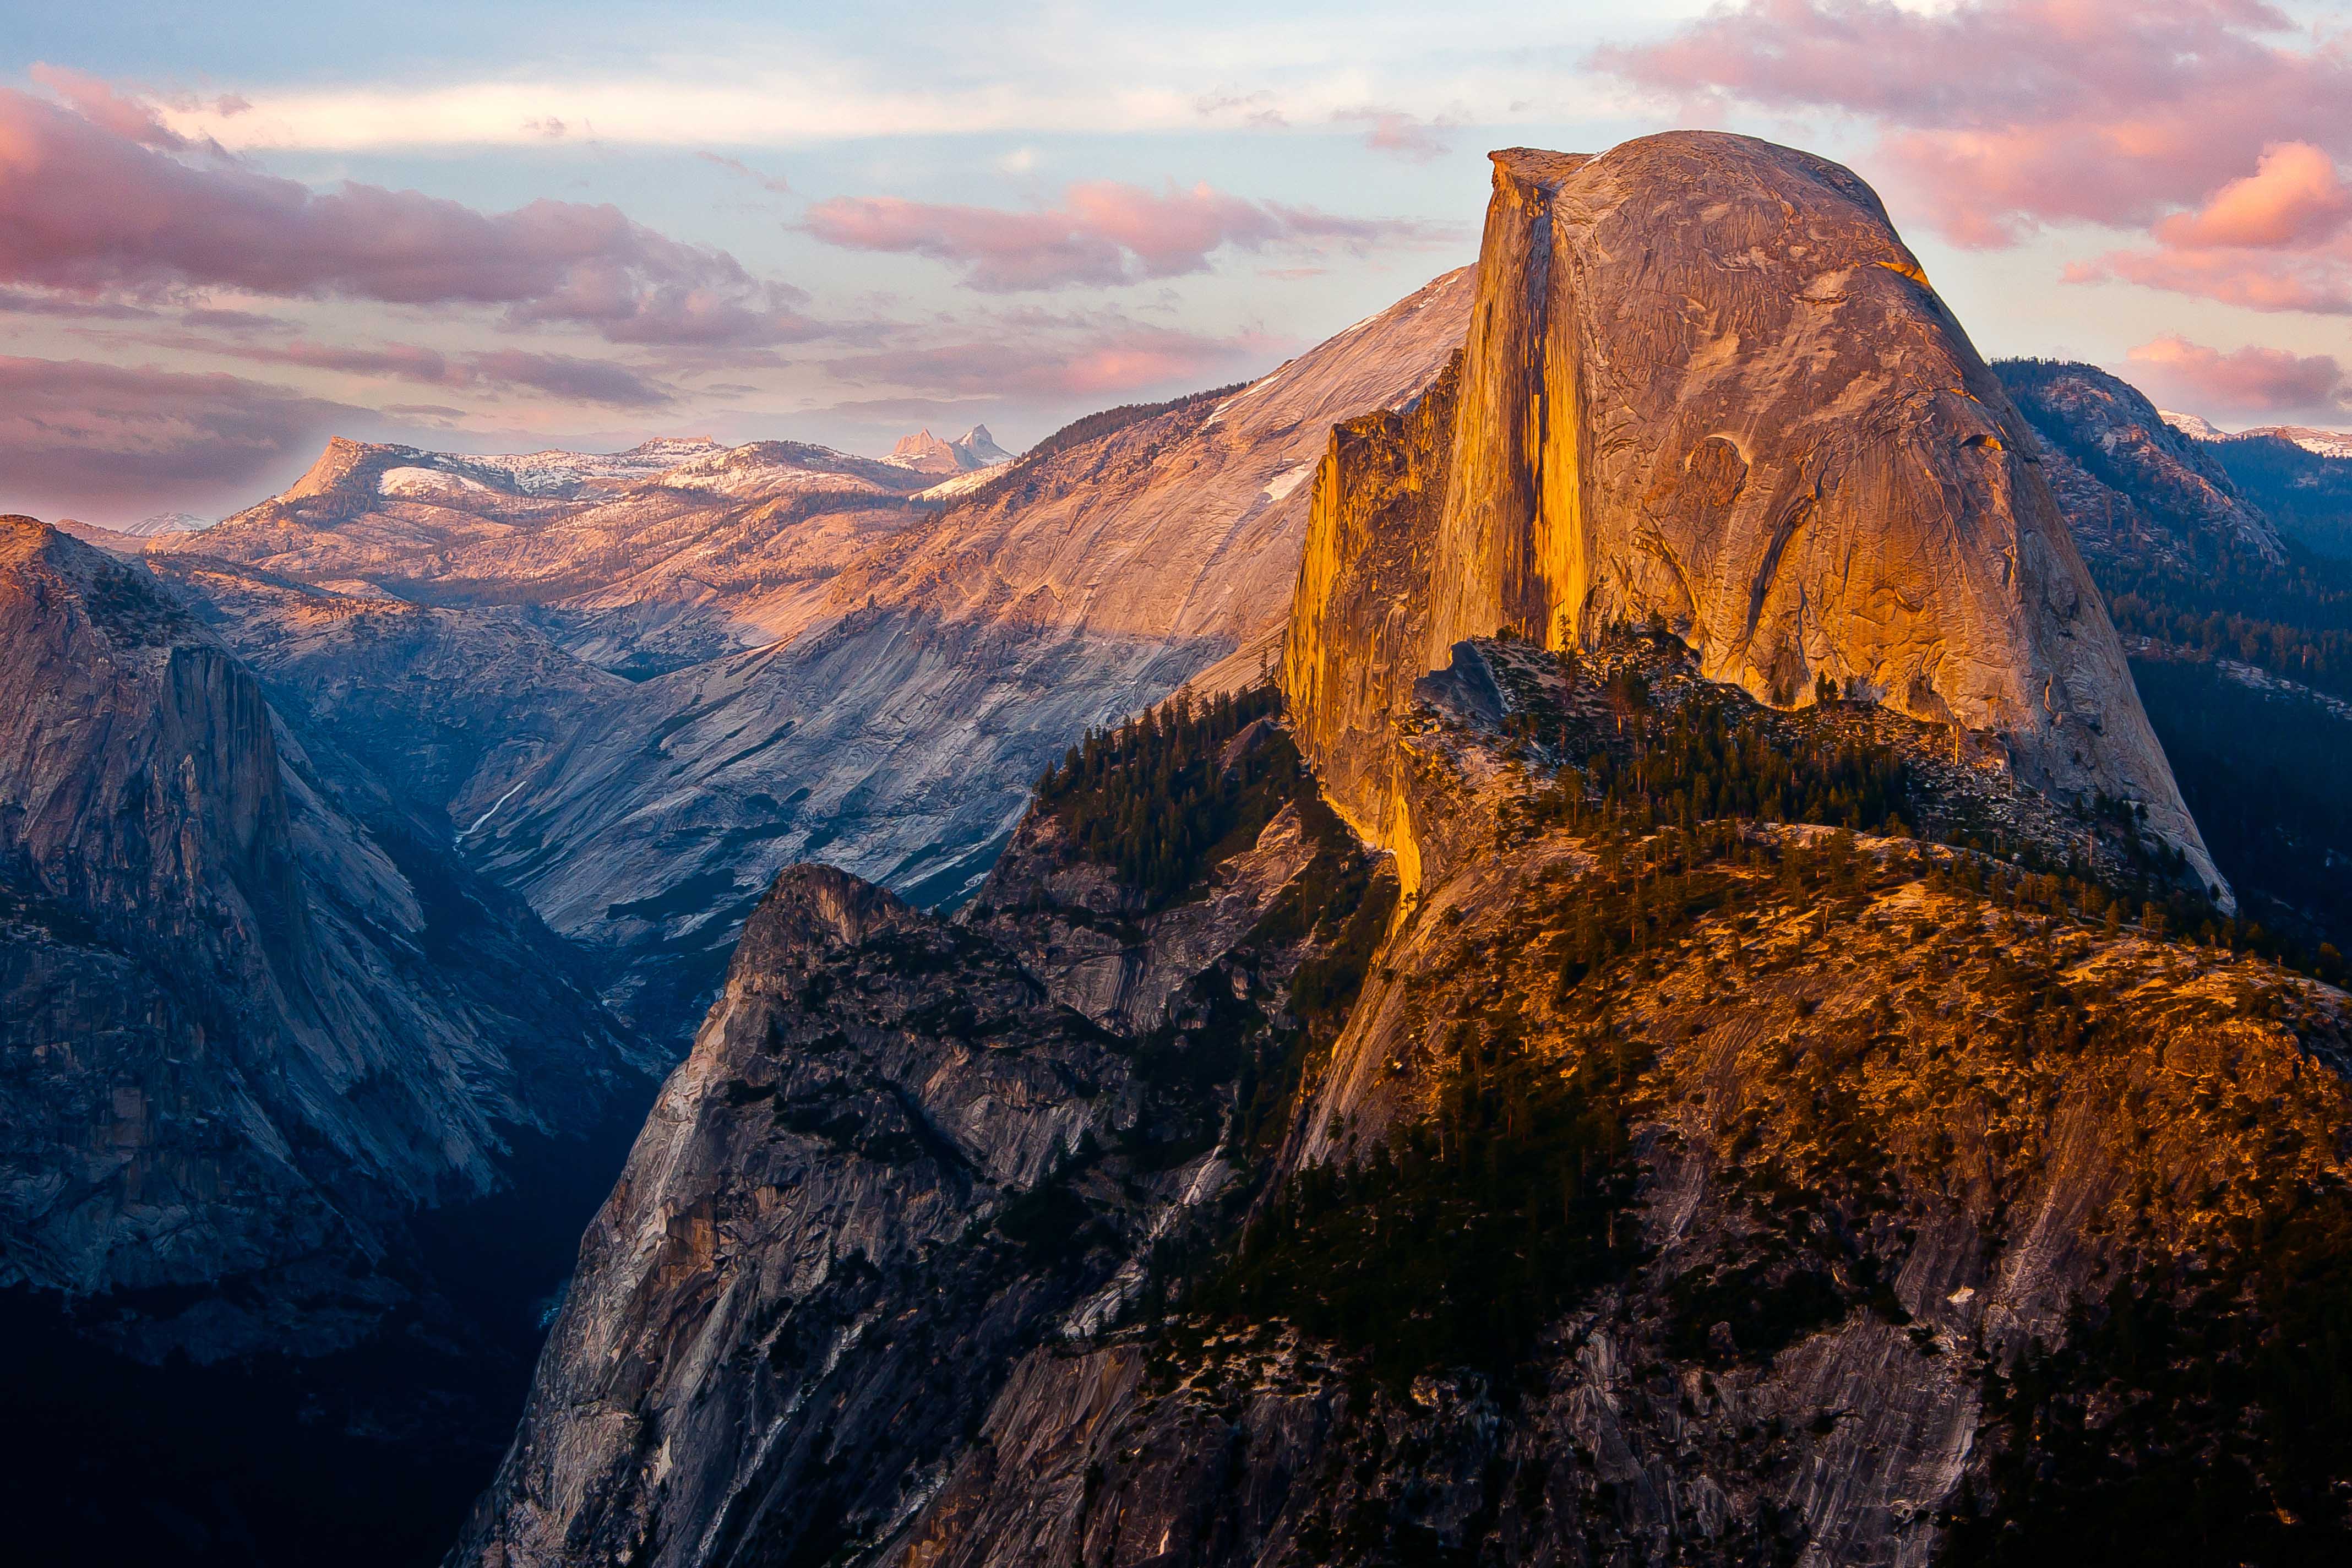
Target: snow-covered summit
<point x="2193" y="425"/>
<point x="927" y="454"/>
<point x="2321" y="443"/>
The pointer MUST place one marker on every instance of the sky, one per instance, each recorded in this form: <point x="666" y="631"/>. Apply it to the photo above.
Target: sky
<point x="229" y="232"/>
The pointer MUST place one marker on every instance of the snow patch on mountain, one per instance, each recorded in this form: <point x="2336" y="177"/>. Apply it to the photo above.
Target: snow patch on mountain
<point x="2193" y="425"/>
<point x="428" y="484"/>
<point x="2320" y="443"/>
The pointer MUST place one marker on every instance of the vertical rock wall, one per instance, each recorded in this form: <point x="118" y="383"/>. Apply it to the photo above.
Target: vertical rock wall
<point x="1706" y="382"/>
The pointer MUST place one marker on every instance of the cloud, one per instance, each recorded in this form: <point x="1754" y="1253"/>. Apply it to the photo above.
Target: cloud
<point x="2294" y="196"/>
<point x="562" y="376"/>
<point x="774" y="183"/>
<point x="401" y="362"/>
<point x="558" y="375"/>
<point x="1394" y="131"/>
<point x="92" y="204"/>
<point x="38" y="302"/>
<point x="2002" y="115"/>
<point x="85" y="437"/>
<point x="2277" y="239"/>
<point x="2318" y="283"/>
<point x="2242" y="380"/>
<point x="1255" y="110"/>
<point x="1105" y="232"/>
<point x="1113" y="358"/>
<point x="107" y="107"/>
<point x="218" y="318"/>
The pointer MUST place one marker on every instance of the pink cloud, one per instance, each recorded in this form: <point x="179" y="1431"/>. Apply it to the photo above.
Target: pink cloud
<point x="107" y="107"/>
<point x="1394" y="131"/>
<point x="403" y="362"/>
<point x="566" y="376"/>
<point x="2295" y="197"/>
<point x="1110" y="359"/>
<point x="2318" y="283"/>
<point x="2276" y="239"/>
<point x="95" y="200"/>
<point x="2001" y="115"/>
<point x="563" y="375"/>
<point x="2244" y="380"/>
<point x="1104" y="233"/>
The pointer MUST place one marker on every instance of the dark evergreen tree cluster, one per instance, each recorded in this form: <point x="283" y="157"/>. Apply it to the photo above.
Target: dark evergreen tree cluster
<point x="1707" y="760"/>
<point x="1458" y="1245"/>
<point x="1156" y="798"/>
<point x="2190" y="1420"/>
<point x="2293" y="620"/>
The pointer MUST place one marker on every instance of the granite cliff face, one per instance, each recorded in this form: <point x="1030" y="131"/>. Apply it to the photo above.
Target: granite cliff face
<point x="902" y="1151"/>
<point x="926" y="453"/>
<point x="256" y="1011"/>
<point x="1704" y="382"/>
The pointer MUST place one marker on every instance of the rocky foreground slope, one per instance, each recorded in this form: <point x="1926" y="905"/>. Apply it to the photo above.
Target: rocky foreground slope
<point x="905" y="1150"/>
<point x="1668" y="1181"/>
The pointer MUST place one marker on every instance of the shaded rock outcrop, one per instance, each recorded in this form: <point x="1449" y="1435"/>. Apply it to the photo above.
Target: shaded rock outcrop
<point x="2133" y="489"/>
<point x="897" y="1157"/>
<point x="1706" y="383"/>
<point x="255" y="1012"/>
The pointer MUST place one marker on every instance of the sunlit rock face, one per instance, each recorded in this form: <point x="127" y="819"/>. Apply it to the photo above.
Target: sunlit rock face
<point x="1706" y="382"/>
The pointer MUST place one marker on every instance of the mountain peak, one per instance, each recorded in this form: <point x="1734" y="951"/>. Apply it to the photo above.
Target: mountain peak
<point x="981" y="446"/>
<point x="1838" y="495"/>
<point x="926" y="453"/>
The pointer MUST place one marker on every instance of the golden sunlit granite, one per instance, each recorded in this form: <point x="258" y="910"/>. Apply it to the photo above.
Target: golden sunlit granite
<point x="1706" y="382"/>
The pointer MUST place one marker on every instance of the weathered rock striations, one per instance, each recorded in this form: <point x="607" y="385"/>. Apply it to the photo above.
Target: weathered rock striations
<point x="895" y="1158"/>
<point x="897" y="734"/>
<point x="1704" y="382"/>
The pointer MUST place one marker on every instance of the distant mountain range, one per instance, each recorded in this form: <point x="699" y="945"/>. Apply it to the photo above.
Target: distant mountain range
<point x="2300" y="476"/>
<point x="2325" y="443"/>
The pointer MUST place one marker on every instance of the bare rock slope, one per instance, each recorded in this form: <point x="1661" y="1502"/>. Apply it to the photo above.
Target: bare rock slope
<point x="896" y="734"/>
<point x="901" y="1153"/>
<point x="255" y="1010"/>
<point x="2134" y="490"/>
